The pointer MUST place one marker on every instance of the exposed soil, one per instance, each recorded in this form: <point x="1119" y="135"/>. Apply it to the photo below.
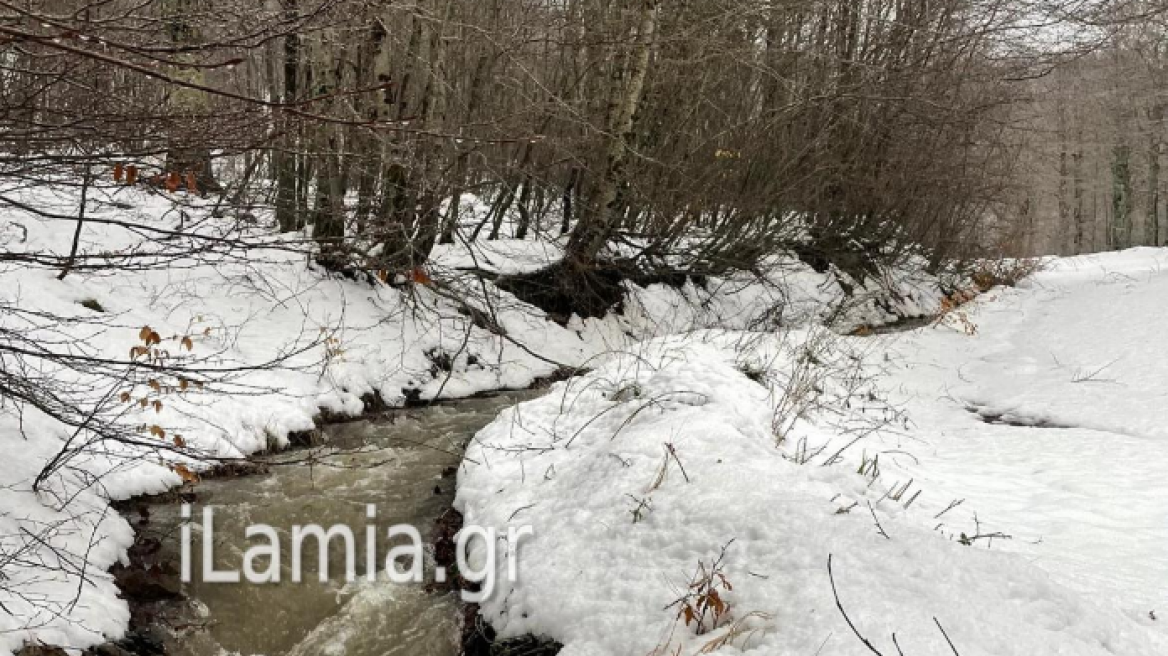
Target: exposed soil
<point x="563" y="289"/>
<point x="478" y="638"/>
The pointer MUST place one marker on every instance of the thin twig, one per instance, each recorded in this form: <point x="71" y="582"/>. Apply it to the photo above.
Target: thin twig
<point x="938" y="623"/>
<point x="839" y="604"/>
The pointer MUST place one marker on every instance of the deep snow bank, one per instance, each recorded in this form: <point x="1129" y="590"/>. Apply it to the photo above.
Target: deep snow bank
<point x="332" y="342"/>
<point x="621" y="524"/>
<point x="1052" y="423"/>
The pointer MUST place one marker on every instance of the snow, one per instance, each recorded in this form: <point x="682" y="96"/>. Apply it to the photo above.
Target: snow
<point x="1077" y="353"/>
<point x="503" y="256"/>
<point x="353" y="339"/>
<point x="1035" y="414"/>
<point x="331" y="342"/>
<point x="1075" y="498"/>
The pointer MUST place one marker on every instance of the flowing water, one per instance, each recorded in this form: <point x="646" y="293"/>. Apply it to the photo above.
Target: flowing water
<point x="403" y="466"/>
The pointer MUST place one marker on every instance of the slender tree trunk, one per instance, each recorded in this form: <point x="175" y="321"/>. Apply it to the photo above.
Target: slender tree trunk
<point x="1152" y="220"/>
<point x="568" y="201"/>
<point x="1077" y="204"/>
<point x="524" y="209"/>
<point x="592" y="232"/>
<point x="1064" y="213"/>
<point x="1121" y="197"/>
<point x="86" y="180"/>
<point x="450" y="221"/>
<point x="288" y="207"/>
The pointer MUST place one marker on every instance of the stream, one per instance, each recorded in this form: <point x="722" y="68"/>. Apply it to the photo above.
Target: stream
<point x="404" y="465"/>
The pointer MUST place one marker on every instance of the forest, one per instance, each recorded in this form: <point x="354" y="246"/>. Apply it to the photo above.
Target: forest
<point x="701" y="135"/>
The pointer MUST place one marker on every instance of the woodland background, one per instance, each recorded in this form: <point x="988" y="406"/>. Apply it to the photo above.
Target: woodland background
<point x="686" y="135"/>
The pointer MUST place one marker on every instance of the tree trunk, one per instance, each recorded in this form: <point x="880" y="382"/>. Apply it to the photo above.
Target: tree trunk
<point x="1077" y="203"/>
<point x="329" y="213"/>
<point x="568" y="201"/>
<point x="524" y="209"/>
<point x="592" y="232"/>
<point x="288" y="207"/>
<point x="1152" y="229"/>
<point x="1121" y="197"/>
<point x="187" y="151"/>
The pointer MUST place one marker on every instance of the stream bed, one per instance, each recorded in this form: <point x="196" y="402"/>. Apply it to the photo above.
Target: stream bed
<point x="404" y="465"/>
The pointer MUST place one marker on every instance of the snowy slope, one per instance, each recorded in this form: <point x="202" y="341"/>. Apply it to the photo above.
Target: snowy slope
<point x="1023" y="540"/>
<point x="333" y="341"/>
<point x="1078" y="355"/>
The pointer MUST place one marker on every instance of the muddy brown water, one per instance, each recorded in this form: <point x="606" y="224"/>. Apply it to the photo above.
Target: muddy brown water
<point x="404" y="468"/>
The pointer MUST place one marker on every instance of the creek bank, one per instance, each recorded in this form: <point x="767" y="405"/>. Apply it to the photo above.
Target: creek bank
<point x="477" y="637"/>
<point x="150" y="581"/>
<point x="151" y="586"/>
<point x="150" y="573"/>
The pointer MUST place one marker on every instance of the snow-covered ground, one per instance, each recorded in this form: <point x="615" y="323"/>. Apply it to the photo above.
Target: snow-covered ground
<point x="1076" y="353"/>
<point x="944" y="519"/>
<point x="704" y="427"/>
<point x="331" y="340"/>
